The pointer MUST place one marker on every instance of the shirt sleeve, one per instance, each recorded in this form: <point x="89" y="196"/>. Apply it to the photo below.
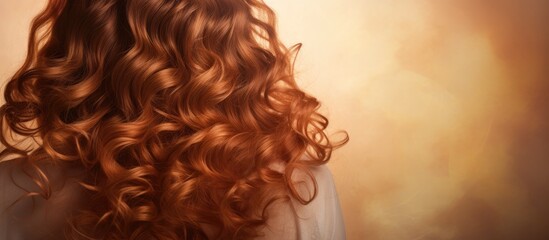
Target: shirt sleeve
<point x="320" y="219"/>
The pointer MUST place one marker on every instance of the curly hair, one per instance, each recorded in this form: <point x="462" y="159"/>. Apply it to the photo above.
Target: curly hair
<point x="176" y="109"/>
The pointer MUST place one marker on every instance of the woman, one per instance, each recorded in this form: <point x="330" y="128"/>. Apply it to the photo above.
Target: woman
<point x="163" y="119"/>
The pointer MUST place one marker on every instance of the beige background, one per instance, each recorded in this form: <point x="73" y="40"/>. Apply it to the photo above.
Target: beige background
<point x="445" y="103"/>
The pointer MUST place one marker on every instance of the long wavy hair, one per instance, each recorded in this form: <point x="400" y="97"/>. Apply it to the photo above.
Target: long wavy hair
<point x="176" y="109"/>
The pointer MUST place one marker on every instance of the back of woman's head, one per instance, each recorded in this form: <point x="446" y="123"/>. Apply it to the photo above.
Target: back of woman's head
<point x="183" y="113"/>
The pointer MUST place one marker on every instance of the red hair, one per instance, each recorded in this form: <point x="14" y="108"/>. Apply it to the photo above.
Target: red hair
<point x="176" y="109"/>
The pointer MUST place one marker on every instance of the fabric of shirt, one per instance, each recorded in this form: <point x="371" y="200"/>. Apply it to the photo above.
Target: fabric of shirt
<point x="37" y="218"/>
<point x="320" y="219"/>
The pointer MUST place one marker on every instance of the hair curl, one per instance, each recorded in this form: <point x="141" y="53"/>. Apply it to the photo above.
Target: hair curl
<point x="176" y="109"/>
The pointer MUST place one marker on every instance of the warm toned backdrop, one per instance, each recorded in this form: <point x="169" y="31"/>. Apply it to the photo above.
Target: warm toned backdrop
<point x="446" y="104"/>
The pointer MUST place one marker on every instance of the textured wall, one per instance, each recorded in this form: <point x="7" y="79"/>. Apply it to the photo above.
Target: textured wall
<point x="445" y="102"/>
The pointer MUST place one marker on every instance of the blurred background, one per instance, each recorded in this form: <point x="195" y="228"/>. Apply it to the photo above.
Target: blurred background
<point x="446" y="104"/>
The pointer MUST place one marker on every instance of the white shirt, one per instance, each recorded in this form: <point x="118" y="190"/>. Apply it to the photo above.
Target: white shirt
<point x="320" y="219"/>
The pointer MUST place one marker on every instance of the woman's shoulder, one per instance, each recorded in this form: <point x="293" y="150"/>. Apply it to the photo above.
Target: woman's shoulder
<point x="320" y="219"/>
<point x="24" y="213"/>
